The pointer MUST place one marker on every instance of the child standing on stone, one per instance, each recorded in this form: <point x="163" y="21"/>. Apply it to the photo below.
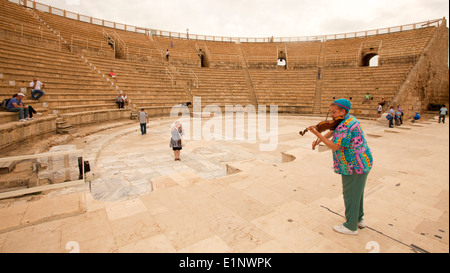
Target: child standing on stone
<point x="442" y="112"/>
<point x="379" y="110"/>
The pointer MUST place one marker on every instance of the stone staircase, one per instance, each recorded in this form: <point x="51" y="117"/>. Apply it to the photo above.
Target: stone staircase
<point x="63" y="127"/>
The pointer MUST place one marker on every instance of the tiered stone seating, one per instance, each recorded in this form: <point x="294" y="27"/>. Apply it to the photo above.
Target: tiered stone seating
<point x="396" y="47"/>
<point x="261" y="55"/>
<point x="183" y="52"/>
<point x="223" y="54"/>
<point x="221" y="87"/>
<point x="342" y="53"/>
<point x="17" y="24"/>
<point x="80" y="37"/>
<point x="354" y="82"/>
<point x="404" y="47"/>
<point x="72" y="88"/>
<point x="139" y="46"/>
<point x="147" y="85"/>
<point x="15" y="12"/>
<point x="292" y="90"/>
<point x="303" y="54"/>
<point x="144" y="75"/>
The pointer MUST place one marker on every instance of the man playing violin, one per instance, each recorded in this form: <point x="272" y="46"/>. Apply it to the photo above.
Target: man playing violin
<point x="352" y="159"/>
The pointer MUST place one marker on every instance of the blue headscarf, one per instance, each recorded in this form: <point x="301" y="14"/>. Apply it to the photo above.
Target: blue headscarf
<point x="344" y="104"/>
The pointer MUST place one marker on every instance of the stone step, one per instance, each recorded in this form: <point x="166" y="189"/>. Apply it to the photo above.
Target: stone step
<point x="66" y="131"/>
<point x="7" y="167"/>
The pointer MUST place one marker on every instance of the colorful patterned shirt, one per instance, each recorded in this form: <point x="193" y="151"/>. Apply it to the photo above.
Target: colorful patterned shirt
<point x="354" y="156"/>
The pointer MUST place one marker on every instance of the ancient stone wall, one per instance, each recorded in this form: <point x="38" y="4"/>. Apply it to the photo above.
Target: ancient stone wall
<point x="15" y="132"/>
<point x="428" y="81"/>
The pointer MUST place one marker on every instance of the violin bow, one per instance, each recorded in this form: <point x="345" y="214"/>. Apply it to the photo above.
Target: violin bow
<point x="325" y="120"/>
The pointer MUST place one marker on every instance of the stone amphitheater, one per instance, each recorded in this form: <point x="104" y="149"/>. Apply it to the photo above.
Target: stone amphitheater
<point x="227" y="194"/>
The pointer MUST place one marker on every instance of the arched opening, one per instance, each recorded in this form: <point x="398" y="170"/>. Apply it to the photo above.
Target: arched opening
<point x="374" y="61"/>
<point x="282" y="62"/>
<point x="370" y="59"/>
<point x="282" y="58"/>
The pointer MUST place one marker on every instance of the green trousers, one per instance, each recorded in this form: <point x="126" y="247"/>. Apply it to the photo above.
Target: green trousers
<point x="353" y="190"/>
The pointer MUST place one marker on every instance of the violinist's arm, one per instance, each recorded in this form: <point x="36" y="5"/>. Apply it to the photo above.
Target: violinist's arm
<point x="327" y="135"/>
<point x="317" y="141"/>
<point x="325" y="139"/>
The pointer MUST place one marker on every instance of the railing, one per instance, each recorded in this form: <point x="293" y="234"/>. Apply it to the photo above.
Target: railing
<point x="171" y="34"/>
<point x="109" y="40"/>
<point x="169" y="74"/>
<point x="198" y="47"/>
<point x="194" y="77"/>
<point x="140" y="51"/>
<point x="81" y="42"/>
<point x="24" y="29"/>
<point x="121" y="42"/>
<point x="180" y="72"/>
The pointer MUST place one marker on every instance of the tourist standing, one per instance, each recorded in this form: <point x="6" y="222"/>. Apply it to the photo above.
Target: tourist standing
<point x="143" y="120"/>
<point x="391" y="116"/>
<point x="176" y="144"/>
<point x="379" y="110"/>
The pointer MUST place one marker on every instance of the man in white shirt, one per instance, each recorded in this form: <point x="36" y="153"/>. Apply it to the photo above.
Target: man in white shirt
<point x="125" y="100"/>
<point x="36" y="86"/>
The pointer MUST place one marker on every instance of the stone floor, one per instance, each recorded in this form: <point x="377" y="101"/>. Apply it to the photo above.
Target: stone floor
<point x="228" y="196"/>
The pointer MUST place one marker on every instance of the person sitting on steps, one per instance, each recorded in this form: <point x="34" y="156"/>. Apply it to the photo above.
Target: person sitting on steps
<point x="119" y="101"/>
<point x="124" y="100"/>
<point x="112" y="74"/>
<point x="367" y="98"/>
<point x="36" y="86"/>
<point x="31" y="110"/>
<point x="15" y="105"/>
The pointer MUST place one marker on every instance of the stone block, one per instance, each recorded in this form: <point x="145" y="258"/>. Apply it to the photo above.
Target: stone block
<point x="60" y="168"/>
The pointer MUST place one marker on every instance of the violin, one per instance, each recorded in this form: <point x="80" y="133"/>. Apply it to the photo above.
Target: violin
<point x="324" y="125"/>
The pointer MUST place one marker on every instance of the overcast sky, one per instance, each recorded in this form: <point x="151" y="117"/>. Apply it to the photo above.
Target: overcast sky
<point x="259" y="18"/>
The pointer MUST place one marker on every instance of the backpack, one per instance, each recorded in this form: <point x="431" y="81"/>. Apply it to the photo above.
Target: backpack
<point x="5" y="104"/>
